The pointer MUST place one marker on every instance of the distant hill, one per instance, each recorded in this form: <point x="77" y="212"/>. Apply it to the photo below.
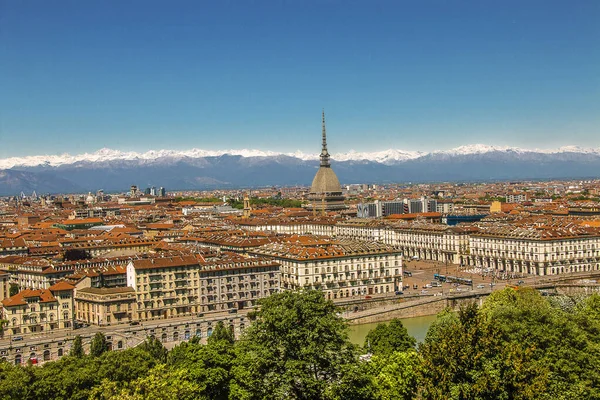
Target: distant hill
<point x="197" y="169"/>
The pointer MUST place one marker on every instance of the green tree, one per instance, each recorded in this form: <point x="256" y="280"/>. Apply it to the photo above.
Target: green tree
<point x="221" y="333"/>
<point x="155" y="348"/>
<point x="208" y="366"/>
<point x="465" y="357"/>
<point x="296" y="347"/>
<point x="13" y="289"/>
<point x="77" y="348"/>
<point x="562" y="340"/>
<point x="99" y="345"/>
<point x="15" y="381"/>
<point x="395" y="376"/>
<point x="161" y="383"/>
<point x="387" y="338"/>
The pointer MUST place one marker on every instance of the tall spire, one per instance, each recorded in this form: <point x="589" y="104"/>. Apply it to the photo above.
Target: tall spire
<point x="324" y="152"/>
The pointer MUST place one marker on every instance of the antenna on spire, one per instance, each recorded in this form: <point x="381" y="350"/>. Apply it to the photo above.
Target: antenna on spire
<point x="324" y="152"/>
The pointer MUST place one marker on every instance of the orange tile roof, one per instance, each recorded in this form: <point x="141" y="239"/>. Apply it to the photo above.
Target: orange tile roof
<point x="81" y="221"/>
<point x="19" y="298"/>
<point x="62" y="285"/>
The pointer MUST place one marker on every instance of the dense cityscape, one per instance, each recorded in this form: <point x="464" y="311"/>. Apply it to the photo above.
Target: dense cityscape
<point x="299" y="200"/>
<point x="152" y="269"/>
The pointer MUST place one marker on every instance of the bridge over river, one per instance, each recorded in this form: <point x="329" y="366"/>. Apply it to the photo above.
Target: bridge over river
<point x="365" y="311"/>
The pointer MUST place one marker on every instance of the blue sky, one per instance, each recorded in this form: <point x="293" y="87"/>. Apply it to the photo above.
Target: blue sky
<point x="78" y="75"/>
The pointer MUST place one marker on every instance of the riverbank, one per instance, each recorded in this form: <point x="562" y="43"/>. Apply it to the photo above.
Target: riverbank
<point x="416" y="327"/>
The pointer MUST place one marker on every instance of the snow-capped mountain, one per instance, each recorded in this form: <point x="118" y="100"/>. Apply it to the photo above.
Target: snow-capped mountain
<point x="115" y="170"/>
<point x="388" y="157"/>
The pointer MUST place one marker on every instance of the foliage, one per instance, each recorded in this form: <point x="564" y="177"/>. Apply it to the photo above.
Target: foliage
<point x="76" y="254"/>
<point x="274" y="202"/>
<point x="207" y="365"/>
<point x="222" y="333"/>
<point x="294" y="349"/>
<point x="518" y="345"/>
<point x="395" y="376"/>
<point x="99" y="345"/>
<point x="13" y="289"/>
<point x="464" y="357"/>
<point x="562" y="340"/>
<point x="155" y="348"/>
<point x="388" y="338"/>
<point x="77" y="348"/>
<point x="198" y="199"/>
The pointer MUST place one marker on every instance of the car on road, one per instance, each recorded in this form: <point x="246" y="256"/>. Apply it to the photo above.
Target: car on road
<point x="424" y="291"/>
<point x="17" y="338"/>
<point x="520" y="282"/>
<point x="368" y="297"/>
<point x="481" y="286"/>
<point x="399" y="292"/>
<point x="134" y="323"/>
<point x="427" y="286"/>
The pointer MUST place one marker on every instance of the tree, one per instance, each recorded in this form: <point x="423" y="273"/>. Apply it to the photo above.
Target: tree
<point x="208" y="366"/>
<point x="395" y="376"/>
<point x="561" y="339"/>
<point x="77" y="348"/>
<point x="76" y="254"/>
<point x="13" y="289"/>
<point x="99" y="345"/>
<point x="160" y="383"/>
<point x="388" y="338"/>
<point x="3" y="323"/>
<point x="222" y="333"/>
<point x="465" y="357"/>
<point x="155" y="348"/>
<point x="296" y="347"/>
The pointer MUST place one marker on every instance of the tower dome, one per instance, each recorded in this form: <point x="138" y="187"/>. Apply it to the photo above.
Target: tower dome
<point x="326" y="191"/>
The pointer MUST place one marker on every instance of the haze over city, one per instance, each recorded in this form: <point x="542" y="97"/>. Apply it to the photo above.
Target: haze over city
<point x="418" y="76"/>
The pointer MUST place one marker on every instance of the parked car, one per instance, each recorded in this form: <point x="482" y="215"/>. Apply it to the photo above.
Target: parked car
<point x="368" y="297"/>
<point x="399" y="292"/>
<point x="427" y="286"/>
<point x="17" y="338"/>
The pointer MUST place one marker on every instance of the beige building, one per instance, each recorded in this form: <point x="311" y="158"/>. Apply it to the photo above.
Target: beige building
<point x="4" y="285"/>
<point x="186" y="285"/>
<point x="535" y="249"/>
<point x="105" y="306"/>
<point x="340" y="268"/>
<point x="40" y="310"/>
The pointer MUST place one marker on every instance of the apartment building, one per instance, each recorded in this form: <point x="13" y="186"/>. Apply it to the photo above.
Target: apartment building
<point x="13" y="247"/>
<point x="105" y="306"/>
<point x="536" y="249"/>
<point x="40" y="273"/>
<point x="185" y="285"/>
<point x="40" y="310"/>
<point x="420" y="239"/>
<point x="340" y="268"/>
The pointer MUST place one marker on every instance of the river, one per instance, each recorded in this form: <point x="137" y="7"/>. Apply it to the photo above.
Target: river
<point x="416" y="326"/>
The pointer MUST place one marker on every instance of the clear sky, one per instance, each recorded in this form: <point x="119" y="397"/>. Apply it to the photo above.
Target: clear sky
<point x="79" y="75"/>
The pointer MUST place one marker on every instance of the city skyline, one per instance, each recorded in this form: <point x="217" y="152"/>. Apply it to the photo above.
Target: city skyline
<point x="78" y="77"/>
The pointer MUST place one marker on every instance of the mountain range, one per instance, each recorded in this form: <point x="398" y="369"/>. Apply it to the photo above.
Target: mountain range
<point x="114" y="170"/>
